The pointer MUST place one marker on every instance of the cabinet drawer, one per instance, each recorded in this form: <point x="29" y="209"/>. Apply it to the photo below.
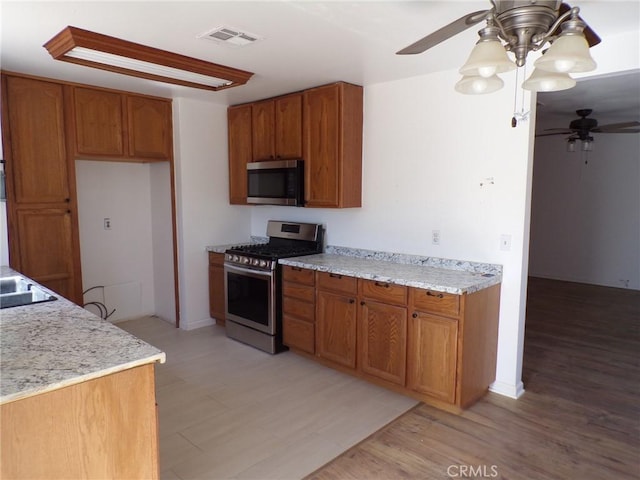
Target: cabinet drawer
<point x="298" y="308"/>
<point x="216" y="258"/>
<point x="298" y="334"/>
<point x="298" y="275"/>
<point x="296" y="290"/>
<point x="382" y="291"/>
<point x="337" y="283"/>
<point x="435" y="302"/>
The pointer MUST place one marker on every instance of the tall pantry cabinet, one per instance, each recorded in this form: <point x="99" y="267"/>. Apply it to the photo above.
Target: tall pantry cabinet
<point x="42" y="207"/>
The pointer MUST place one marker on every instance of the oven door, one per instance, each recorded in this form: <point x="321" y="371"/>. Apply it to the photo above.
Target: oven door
<point x="250" y="298"/>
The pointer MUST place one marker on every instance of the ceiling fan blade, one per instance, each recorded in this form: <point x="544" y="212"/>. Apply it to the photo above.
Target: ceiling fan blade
<point x="555" y="133"/>
<point x="623" y="130"/>
<point x="616" y="126"/>
<point x="560" y="130"/>
<point x="444" y="33"/>
<point x="592" y="37"/>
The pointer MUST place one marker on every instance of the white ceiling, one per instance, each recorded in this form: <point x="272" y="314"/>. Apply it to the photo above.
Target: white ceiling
<point x="305" y="44"/>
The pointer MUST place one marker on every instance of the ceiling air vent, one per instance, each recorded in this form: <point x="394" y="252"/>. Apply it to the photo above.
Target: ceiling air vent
<point x="230" y="36"/>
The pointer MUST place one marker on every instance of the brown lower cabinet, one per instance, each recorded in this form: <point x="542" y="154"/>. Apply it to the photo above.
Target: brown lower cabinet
<point x="216" y="287"/>
<point x="437" y="347"/>
<point x="102" y="428"/>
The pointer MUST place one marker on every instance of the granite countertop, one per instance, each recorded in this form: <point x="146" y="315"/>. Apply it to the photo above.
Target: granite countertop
<point x="444" y="276"/>
<point x="47" y="346"/>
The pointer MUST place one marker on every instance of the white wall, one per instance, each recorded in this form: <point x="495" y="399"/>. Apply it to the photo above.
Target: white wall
<point x="585" y="219"/>
<point x="204" y="214"/>
<point x="121" y="259"/>
<point x="427" y="150"/>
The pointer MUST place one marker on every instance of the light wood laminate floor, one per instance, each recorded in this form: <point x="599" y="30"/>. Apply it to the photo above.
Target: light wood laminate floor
<point x="579" y="418"/>
<point x="229" y="411"/>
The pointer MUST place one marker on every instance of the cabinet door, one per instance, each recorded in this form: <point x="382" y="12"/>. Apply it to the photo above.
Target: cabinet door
<point x="239" y="131"/>
<point x="432" y="353"/>
<point x="216" y="287"/>
<point x="383" y="341"/>
<point x="98" y="122"/>
<point x="336" y="328"/>
<point x="322" y="141"/>
<point x="45" y="248"/>
<point x="263" y="133"/>
<point x="150" y="133"/>
<point x="288" y="126"/>
<point x="39" y="171"/>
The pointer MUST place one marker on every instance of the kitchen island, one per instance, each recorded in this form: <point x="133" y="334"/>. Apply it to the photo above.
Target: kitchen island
<point x="423" y="326"/>
<point x="77" y="395"/>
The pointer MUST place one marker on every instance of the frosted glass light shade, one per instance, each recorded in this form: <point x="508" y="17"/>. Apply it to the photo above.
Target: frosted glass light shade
<point x="568" y="54"/>
<point x="477" y="85"/>
<point x="543" y="81"/>
<point x="487" y="58"/>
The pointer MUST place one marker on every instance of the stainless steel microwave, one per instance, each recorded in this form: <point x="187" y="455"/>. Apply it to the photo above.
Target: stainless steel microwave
<point x="279" y="182"/>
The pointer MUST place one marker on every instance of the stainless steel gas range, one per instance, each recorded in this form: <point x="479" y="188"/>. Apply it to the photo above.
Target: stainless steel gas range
<point x="253" y="282"/>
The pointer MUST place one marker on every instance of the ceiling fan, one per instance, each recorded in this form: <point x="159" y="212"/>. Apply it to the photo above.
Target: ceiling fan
<point x="519" y="27"/>
<point x="582" y="128"/>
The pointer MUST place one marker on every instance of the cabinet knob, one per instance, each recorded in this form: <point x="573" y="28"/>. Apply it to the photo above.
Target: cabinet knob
<point x="351" y="300"/>
<point x="415" y="315"/>
<point x="431" y="294"/>
<point x="68" y="200"/>
<point x="362" y="302"/>
<point x="69" y="212"/>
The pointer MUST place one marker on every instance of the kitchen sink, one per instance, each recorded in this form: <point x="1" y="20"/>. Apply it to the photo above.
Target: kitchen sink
<point x="16" y="291"/>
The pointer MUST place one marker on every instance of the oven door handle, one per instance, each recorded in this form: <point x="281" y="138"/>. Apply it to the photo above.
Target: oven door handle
<point x="260" y="273"/>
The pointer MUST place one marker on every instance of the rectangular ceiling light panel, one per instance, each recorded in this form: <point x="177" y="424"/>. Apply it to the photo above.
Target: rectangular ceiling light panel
<point x="113" y="54"/>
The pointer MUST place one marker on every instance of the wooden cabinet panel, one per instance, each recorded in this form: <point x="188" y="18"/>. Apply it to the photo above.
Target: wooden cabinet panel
<point x="46" y="247"/>
<point x="336" y="328"/>
<point x="337" y="283"/>
<point x="99" y="126"/>
<point x="436" y="302"/>
<point x="37" y="161"/>
<point x="149" y="125"/>
<point x="216" y="287"/>
<point x="382" y="291"/>
<point x="102" y="428"/>
<point x="298" y="275"/>
<point x="263" y="143"/>
<point x="240" y="152"/>
<point x="298" y="334"/>
<point x="288" y="126"/>
<point x="383" y="341"/>
<point x="332" y="145"/>
<point x="295" y="290"/>
<point x="432" y="355"/>
<point x="303" y="310"/>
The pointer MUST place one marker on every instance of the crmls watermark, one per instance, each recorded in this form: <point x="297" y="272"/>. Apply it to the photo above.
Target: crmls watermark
<point x="472" y="471"/>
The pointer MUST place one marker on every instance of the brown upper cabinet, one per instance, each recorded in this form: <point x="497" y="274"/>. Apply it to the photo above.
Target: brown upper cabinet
<point x="239" y="129"/>
<point x="323" y="126"/>
<point x="332" y="141"/>
<point x="277" y="128"/>
<point x="120" y="126"/>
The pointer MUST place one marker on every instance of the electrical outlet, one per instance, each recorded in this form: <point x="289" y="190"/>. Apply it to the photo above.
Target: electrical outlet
<point x="435" y="237"/>
<point x="107" y="224"/>
<point x="505" y="242"/>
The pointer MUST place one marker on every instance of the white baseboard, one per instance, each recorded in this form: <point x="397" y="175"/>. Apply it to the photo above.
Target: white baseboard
<point x="192" y="325"/>
<point x="507" y="389"/>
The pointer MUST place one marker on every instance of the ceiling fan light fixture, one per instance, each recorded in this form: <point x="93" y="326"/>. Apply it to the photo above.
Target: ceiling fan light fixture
<point x="571" y="145"/>
<point x="477" y="85"/>
<point x="544" y="81"/>
<point x="488" y="57"/>
<point x="569" y="53"/>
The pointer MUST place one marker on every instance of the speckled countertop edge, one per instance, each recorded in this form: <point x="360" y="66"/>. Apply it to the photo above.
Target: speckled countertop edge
<point x="437" y="278"/>
<point x="51" y="345"/>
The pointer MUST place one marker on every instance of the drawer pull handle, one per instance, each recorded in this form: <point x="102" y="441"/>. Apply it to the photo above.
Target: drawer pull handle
<point x="382" y="284"/>
<point x="437" y="295"/>
<point x="415" y="315"/>
<point x="335" y="275"/>
<point x="297" y="269"/>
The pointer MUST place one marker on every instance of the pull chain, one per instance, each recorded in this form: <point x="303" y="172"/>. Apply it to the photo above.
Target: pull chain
<point x="521" y="115"/>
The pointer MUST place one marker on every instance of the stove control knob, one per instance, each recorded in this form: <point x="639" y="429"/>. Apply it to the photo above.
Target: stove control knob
<point x="245" y="260"/>
<point x="255" y="261"/>
<point x="235" y="258"/>
<point x="263" y="263"/>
